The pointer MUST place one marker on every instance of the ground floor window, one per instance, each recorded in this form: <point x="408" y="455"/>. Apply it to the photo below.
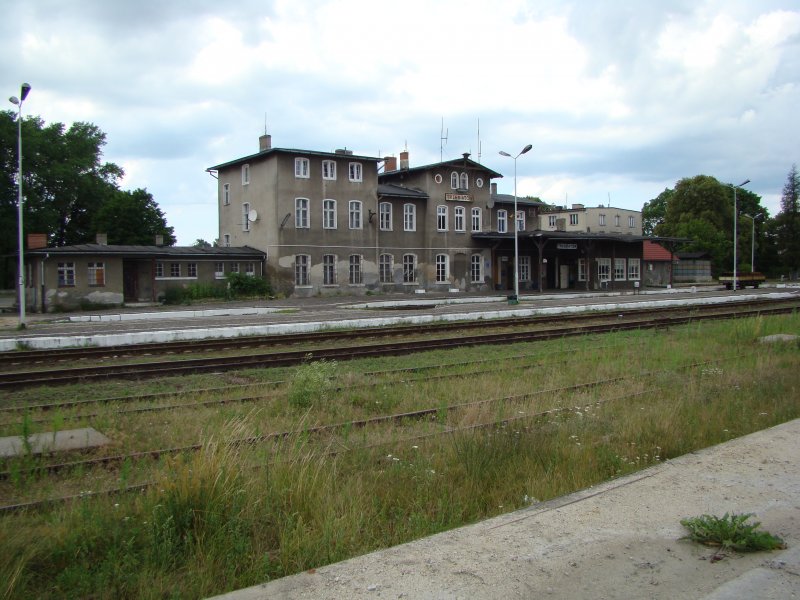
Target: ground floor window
<point x="175" y="269"/>
<point x="524" y="268"/>
<point x="300" y="269"/>
<point x="634" y="268"/>
<point x="409" y="268"/>
<point x="192" y="269"/>
<point x="329" y="269"/>
<point x="581" y="269"/>
<point x="96" y="274"/>
<point x="355" y="270"/>
<point x="385" y="266"/>
<point x="234" y="267"/>
<point x="441" y="268"/>
<point x="603" y="269"/>
<point x="219" y="270"/>
<point x="476" y="268"/>
<point x="250" y="269"/>
<point x="66" y="274"/>
<point x="619" y="268"/>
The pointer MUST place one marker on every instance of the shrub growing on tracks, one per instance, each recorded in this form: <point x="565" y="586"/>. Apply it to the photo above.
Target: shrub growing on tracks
<point x="312" y="382"/>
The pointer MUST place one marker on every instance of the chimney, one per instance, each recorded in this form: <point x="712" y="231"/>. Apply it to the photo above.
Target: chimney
<point x="159" y="240"/>
<point x="37" y="240"/>
<point x="343" y="152"/>
<point x="404" y="160"/>
<point x="577" y="206"/>
<point x="389" y="163"/>
<point x="465" y="155"/>
<point x="102" y="239"/>
<point x="264" y="142"/>
<point x="493" y="187"/>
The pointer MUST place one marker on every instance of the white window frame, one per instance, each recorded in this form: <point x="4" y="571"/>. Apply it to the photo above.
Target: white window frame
<point x="581" y="269"/>
<point x="302" y="219"/>
<point x="329" y="275"/>
<point x="246" y="174"/>
<point x="302" y="168"/>
<point x="234" y="267"/>
<point x="476" y="268"/>
<point x="619" y="269"/>
<point x="603" y="269"/>
<point x="226" y="194"/>
<point x="356" y="271"/>
<point x="441" y="217"/>
<point x="386" y="268"/>
<point x="502" y="221"/>
<point x="601" y="220"/>
<point x="634" y="269"/>
<point x="175" y="269"/>
<point x="454" y="179"/>
<point x="616" y="220"/>
<point x="354" y="214"/>
<point x="477" y="219"/>
<point x="219" y="270"/>
<point x="524" y="268"/>
<point x="355" y="171"/>
<point x="191" y="270"/>
<point x="573" y="218"/>
<point x="385" y="216"/>
<point x="442" y="268"/>
<point x="159" y="270"/>
<point x="552" y="220"/>
<point x="226" y="240"/>
<point x="409" y="217"/>
<point x="250" y="269"/>
<point x="631" y="221"/>
<point x="329" y="213"/>
<point x="329" y="170"/>
<point x="459" y="218"/>
<point x="301" y="270"/>
<point x="520" y="223"/>
<point x="245" y="216"/>
<point x="409" y="268"/>
<point x="96" y="274"/>
<point x="464" y="182"/>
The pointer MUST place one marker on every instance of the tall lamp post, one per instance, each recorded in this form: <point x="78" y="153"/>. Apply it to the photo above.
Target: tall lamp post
<point x="752" y="240"/>
<point x="516" y="221"/>
<point x="735" y="213"/>
<point x="24" y="91"/>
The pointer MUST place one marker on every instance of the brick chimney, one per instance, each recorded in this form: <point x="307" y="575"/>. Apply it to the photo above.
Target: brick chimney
<point x="493" y="187"/>
<point x="102" y="239"/>
<point x="37" y="240"/>
<point x="389" y="163"/>
<point x="264" y="142"/>
<point x="159" y="240"/>
<point x="404" y="160"/>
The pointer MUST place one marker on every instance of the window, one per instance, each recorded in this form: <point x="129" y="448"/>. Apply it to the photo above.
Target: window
<point x="355" y="214"/>
<point x="191" y="269"/>
<point x="245" y="174"/>
<point x="301" y="269"/>
<point x="581" y="269"/>
<point x="355" y="269"/>
<point x="524" y="268"/>
<point x="477" y="217"/>
<point x="355" y="172"/>
<point x="385" y="266"/>
<point x="409" y="268"/>
<point x="329" y="269"/>
<point x="329" y="169"/>
<point x="302" y="169"/>
<point x="409" y="217"/>
<point x="616" y="220"/>
<point x="301" y="220"/>
<point x="551" y="220"/>
<point x="634" y="269"/>
<point x="159" y="270"/>
<point x="520" y="220"/>
<point x="603" y="269"/>
<point x="226" y="240"/>
<point x="174" y="269"/>
<point x="464" y="181"/>
<point x="235" y="267"/>
<point x="502" y="221"/>
<point x="96" y="275"/>
<point x="441" y="218"/>
<point x="476" y="269"/>
<point x="573" y="218"/>
<point x="601" y="219"/>
<point x="479" y="182"/>
<point x="245" y="216"/>
<point x="454" y="180"/>
<point x="329" y="214"/>
<point x="631" y="221"/>
<point x="66" y="274"/>
<point x="619" y="268"/>
<point x="219" y="270"/>
<point x="459" y="215"/>
<point x="441" y="268"/>
<point x="385" y="210"/>
<point x="226" y="194"/>
<point x="250" y="269"/>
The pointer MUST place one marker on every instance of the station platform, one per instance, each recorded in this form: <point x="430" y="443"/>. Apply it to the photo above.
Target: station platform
<point x="618" y="540"/>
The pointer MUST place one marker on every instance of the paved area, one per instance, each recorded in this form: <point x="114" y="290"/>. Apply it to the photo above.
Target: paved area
<point x="619" y="540"/>
<point x="60" y="441"/>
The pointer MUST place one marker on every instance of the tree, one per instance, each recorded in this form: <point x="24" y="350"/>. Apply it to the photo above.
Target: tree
<point x="133" y="218"/>
<point x="787" y="224"/>
<point x="201" y="243"/>
<point x="655" y="211"/>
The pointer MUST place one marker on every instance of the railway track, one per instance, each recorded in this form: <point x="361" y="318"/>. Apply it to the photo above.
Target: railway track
<point x="591" y="324"/>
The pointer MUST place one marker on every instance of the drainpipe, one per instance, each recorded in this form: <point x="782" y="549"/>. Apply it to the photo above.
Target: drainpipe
<point x="41" y="282"/>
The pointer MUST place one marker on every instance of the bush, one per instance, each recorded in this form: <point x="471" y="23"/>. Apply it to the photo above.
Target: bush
<point x="312" y="381"/>
<point x="247" y="286"/>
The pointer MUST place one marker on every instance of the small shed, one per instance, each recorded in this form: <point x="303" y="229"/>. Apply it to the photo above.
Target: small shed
<point x="693" y="267"/>
<point x="658" y="264"/>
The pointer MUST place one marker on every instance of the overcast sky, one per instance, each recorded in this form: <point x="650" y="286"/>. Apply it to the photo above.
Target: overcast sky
<point x="620" y="99"/>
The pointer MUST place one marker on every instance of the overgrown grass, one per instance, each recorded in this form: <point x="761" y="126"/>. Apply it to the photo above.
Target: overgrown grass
<point x="234" y="515"/>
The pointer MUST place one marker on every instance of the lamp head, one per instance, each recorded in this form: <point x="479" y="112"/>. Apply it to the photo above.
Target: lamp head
<point x="503" y="153"/>
<point x="14" y="100"/>
<point x="24" y="91"/>
<point x="526" y="149"/>
<point x="745" y="182"/>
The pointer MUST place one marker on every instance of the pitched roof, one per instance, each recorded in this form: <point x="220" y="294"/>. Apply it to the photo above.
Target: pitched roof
<point x="150" y="251"/>
<point x="456" y="163"/>
<point x="655" y="252"/>
<point x="293" y="151"/>
<point x="392" y="190"/>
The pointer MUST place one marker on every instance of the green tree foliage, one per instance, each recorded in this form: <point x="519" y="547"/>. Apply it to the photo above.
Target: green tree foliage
<point x="133" y="218"/>
<point x="655" y="211"/>
<point x="787" y="224"/>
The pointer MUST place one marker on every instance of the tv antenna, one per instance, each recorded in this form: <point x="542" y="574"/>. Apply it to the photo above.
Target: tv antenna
<point x="442" y="140"/>
<point x="479" y="139"/>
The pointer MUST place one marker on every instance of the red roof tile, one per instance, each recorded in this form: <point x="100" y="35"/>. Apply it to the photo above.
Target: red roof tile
<point x="653" y="251"/>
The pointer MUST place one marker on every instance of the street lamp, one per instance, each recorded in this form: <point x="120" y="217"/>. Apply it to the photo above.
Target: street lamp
<point x="516" y="221"/>
<point x="735" y="212"/>
<point x="24" y="91"/>
<point x="752" y="241"/>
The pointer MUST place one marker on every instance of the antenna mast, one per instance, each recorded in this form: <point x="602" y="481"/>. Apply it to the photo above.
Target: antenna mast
<point x="442" y="140"/>
<point x="479" y="139"/>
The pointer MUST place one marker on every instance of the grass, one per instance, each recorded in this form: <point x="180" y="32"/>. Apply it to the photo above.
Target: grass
<point x="234" y="515"/>
<point x="731" y="532"/>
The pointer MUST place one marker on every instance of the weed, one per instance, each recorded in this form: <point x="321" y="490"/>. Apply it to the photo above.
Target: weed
<point x="731" y="532"/>
<point x="312" y="383"/>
